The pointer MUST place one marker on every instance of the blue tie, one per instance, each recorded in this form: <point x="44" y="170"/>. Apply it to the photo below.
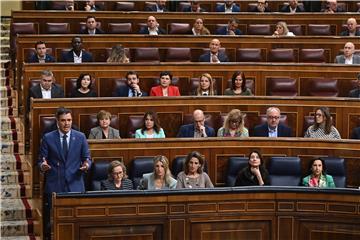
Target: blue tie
<point x="65" y="146"/>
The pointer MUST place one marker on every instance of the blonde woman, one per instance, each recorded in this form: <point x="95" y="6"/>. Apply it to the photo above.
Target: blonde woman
<point x="233" y="125"/>
<point x="282" y="30"/>
<point x="118" y="55"/>
<point x="206" y="86"/>
<point x="199" y="28"/>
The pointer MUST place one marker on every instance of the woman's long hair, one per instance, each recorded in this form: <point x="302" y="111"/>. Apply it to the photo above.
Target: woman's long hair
<point x="156" y="120"/>
<point x="118" y="55"/>
<point x="327" y="118"/>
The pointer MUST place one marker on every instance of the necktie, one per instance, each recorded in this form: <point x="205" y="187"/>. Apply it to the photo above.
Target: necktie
<point x="65" y="146"/>
<point x="134" y="93"/>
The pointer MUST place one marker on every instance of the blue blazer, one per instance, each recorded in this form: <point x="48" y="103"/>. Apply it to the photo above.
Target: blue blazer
<point x="123" y="91"/>
<point x="206" y="57"/>
<point x="346" y="33"/>
<point x="153" y="8"/>
<point x="34" y="58"/>
<point x="64" y="174"/>
<point x="145" y="30"/>
<point x="221" y="8"/>
<point x="187" y="131"/>
<point x="223" y="31"/>
<point x="355" y="133"/>
<point x="287" y="9"/>
<point x="69" y="56"/>
<point x="263" y="131"/>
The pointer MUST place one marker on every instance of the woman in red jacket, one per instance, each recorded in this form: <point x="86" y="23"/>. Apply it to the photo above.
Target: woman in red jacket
<point x="164" y="89"/>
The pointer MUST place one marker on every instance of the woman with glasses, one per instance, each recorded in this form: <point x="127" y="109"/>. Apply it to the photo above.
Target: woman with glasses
<point x="323" y="127"/>
<point x="233" y="125"/>
<point x="117" y="178"/>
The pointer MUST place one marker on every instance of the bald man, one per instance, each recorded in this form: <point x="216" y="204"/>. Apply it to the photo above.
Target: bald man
<point x="351" y="28"/>
<point x="214" y="55"/>
<point x="152" y="27"/>
<point x="198" y="129"/>
<point x="348" y="57"/>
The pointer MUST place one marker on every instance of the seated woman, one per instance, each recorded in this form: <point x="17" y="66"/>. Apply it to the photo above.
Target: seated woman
<point x="206" y="86"/>
<point x="117" y="178"/>
<point x="238" y="85"/>
<point x="161" y="178"/>
<point x="151" y="127"/>
<point x="318" y="176"/>
<point x="233" y="125"/>
<point x="104" y="131"/>
<point x="254" y="174"/>
<point x="322" y="127"/>
<point x="193" y="175"/>
<point x="199" y="28"/>
<point x="164" y="89"/>
<point x="83" y="87"/>
<point x="118" y="55"/>
<point x="282" y="30"/>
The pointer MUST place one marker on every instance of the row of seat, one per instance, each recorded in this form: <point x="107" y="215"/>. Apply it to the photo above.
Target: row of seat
<point x="283" y="171"/>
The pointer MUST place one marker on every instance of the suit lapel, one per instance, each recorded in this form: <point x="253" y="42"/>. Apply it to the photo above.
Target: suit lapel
<point x="71" y="142"/>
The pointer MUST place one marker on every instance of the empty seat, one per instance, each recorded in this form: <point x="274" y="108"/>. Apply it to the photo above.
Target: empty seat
<point x="57" y="28"/>
<point x="177" y="165"/>
<point x="285" y="171"/>
<point x="124" y="6"/>
<point x="319" y="29"/>
<point x="46" y="123"/>
<point x="179" y="28"/>
<point x="251" y="7"/>
<point x="308" y="121"/>
<point x="20" y="28"/>
<point x="148" y="5"/>
<point x="281" y="87"/>
<point x="146" y="55"/>
<point x="281" y="55"/>
<point x="120" y="28"/>
<point x="323" y="87"/>
<point x="312" y="55"/>
<point x="139" y="166"/>
<point x="259" y="29"/>
<point x="296" y="29"/>
<point x="178" y="55"/>
<point x="183" y="5"/>
<point x="134" y="122"/>
<point x="99" y="172"/>
<point x="250" y="55"/>
<point x="335" y="167"/>
<point x="235" y="164"/>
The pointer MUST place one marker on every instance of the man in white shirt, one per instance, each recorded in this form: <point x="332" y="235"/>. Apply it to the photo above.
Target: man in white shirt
<point x="214" y="55"/>
<point x="348" y="57"/>
<point x="152" y="27"/>
<point x="91" y="26"/>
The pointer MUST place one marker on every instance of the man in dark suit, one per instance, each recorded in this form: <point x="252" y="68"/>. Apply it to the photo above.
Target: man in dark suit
<point x="228" y="7"/>
<point x="331" y="7"/>
<point x="292" y="7"/>
<point x="348" y="57"/>
<point x="272" y="128"/>
<point x="194" y="7"/>
<point x="355" y="133"/>
<point x="152" y="27"/>
<point x="40" y="56"/>
<point x="160" y="6"/>
<point x="214" y="55"/>
<point x="45" y="89"/>
<point x="132" y="88"/>
<point x="91" y="27"/>
<point x="351" y="28"/>
<point x="262" y="6"/>
<point x="64" y="157"/>
<point x="76" y="54"/>
<point x="198" y="129"/>
<point x="231" y="29"/>
<point x="355" y="93"/>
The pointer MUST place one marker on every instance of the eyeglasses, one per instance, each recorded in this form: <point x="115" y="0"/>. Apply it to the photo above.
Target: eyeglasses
<point x="273" y="117"/>
<point x="117" y="173"/>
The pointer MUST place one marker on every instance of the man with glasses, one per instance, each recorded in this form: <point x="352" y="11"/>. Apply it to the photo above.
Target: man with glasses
<point x="198" y="129"/>
<point x="132" y="87"/>
<point x="272" y="128"/>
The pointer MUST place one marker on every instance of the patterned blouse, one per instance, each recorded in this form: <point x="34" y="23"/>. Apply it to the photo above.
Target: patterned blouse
<point x="222" y="132"/>
<point x="320" y="133"/>
<point x="126" y="184"/>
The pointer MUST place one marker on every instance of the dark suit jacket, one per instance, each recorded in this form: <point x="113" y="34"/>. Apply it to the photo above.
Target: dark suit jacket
<point x="206" y="57"/>
<point x="123" y="91"/>
<point x="145" y="30"/>
<point x="97" y="31"/>
<point x="355" y="93"/>
<point x="355" y="133"/>
<point x="346" y="33"/>
<point x="153" y="8"/>
<point x="221" y="8"/>
<point x="69" y="56"/>
<point x="263" y="131"/>
<point x="188" y="9"/>
<point x="34" y="58"/>
<point x="187" y="131"/>
<point x="341" y="59"/>
<point x="64" y="174"/>
<point x="287" y="9"/>
<point x="35" y="92"/>
<point x="223" y="31"/>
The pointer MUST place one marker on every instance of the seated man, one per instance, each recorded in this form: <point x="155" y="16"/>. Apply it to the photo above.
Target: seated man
<point x="355" y="133"/>
<point x="132" y="88"/>
<point x="45" y="89"/>
<point x="194" y="7"/>
<point x="292" y="7"/>
<point x="91" y="28"/>
<point x="355" y="93"/>
<point x="262" y="6"/>
<point x="76" y="54"/>
<point x="348" y="57"/>
<point x="90" y="6"/>
<point x="40" y="56"/>
<point x="272" y="128"/>
<point x="152" y="27"/>
<point x="351" y="28"/>
<point x="160" y="6"/>
<point x="231" y="29"/>
<point x="331" y="7"/>
<point x="214" y="55"/>
<point x="198" y="129"/>
<point x="228" y="7"/>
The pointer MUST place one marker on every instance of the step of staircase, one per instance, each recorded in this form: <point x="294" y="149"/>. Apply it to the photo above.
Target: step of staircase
<point x="21" y="238"/>
<point x="10" y="123"/>
<point x="12" y="147"/>
<point x="14" y="177"/>
<point x="15" y="191"/>
<point x="14" y="209"/>
<point x="19" y="228"/>
<point x="13" y="162"/>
